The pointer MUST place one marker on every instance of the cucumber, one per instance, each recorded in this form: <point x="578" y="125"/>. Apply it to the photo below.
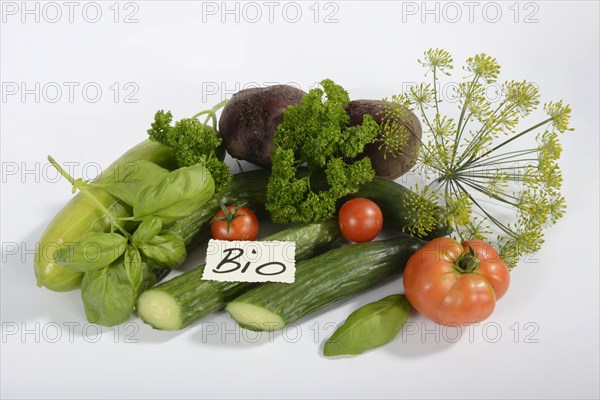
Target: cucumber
<point x="322" y="280"/>
<point x="80" y="216"/>
<point x="250" y="188"/>
<point x="183" y="300"/>
<point x="390" y="196"/>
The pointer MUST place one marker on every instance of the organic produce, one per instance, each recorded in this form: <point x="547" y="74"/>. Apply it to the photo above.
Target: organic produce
<point x="81" y="215"/>
<point x="360" y="220"/>
<point x="393" y="153"/>
<point x="126" y="230"/>
<point x="469" y="167"/>
<point x="322" y="280"/>
<point x="316" y="132"/>
<point x="234" y="223"/>
<point x="370" y="326"/>
<point x="185" y="299"/>
<point x="250" y="118"/>
<point x="455" y="284"/>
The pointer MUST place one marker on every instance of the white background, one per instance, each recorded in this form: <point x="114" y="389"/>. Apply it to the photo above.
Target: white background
<point x="541" y="342"/>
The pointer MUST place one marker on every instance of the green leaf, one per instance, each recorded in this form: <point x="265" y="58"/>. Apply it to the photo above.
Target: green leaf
<point x="93" y="251"/>
<point x="107" y="294"/>
<point x="126" y="179"/>
<point x="370" y="326"/>
<point x="132" y="262"/>
<point x="149" y="228"/>
<point x="175" y="195"/>
<point x="165" y="251"/>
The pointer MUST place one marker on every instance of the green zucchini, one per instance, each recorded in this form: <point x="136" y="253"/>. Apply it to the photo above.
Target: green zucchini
<point x="322" y="280"/>
<point x="80" y="216"/>
<point x="187" y="298"/>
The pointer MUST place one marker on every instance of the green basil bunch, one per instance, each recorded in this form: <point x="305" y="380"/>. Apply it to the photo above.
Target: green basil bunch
<point x="118" y="263"/>
<point x="126" y="179"/>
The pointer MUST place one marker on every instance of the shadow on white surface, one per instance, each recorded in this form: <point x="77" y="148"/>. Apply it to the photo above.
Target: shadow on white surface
<point x="23" y="300"/>
<point x="219" y="330"/>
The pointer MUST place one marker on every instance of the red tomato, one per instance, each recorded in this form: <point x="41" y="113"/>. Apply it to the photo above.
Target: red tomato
<point x="238" y="223"/>
<point x="452" y="285"/>
<point x="360" y="220"/>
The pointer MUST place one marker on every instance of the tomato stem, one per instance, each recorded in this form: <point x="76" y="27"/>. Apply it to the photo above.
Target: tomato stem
<point x="230" y="215"/>
<point x="467" y="262"/>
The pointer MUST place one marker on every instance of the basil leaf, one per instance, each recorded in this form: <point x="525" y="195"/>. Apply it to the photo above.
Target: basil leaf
<point x="107" y="294"/>
<point x="127" y="179"/>
<point x="132" y="262"/>
<point x="175" y="195"/>
<point x="165" y="251"/>
<point x="149" y="228"/>
<point x="370" y="326"/>
<point x="93" y="251"/>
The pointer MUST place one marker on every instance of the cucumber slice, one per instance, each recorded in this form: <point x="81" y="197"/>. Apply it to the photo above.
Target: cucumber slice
<point x="160" y="310"/>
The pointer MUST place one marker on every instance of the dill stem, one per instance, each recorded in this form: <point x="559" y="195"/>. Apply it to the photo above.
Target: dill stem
<point x="509" y="140"/>
<point x="435" y="94"/>
<point x="494" y="220"/>
<point x="487" y="192"/>
<point x="483" y="130"/>
<point x="460" y="119"/>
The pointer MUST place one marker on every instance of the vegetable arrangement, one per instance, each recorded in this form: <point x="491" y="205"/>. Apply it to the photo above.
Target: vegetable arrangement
<point x="329" y="169"/>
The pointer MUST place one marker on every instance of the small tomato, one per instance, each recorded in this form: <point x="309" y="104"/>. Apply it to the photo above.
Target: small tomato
<point x="360" y="220"/>
<point x="234" y="223"/>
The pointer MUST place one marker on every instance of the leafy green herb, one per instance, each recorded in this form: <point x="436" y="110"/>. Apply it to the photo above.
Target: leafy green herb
<point x="162" y="251"/>
<point x="315" y="133"/>
<point x="468" y="164"/>
<point x="193" y="142"/>
<point x="370" y="326"/>
<point x="132" y="262"/>
<point x="93" y="251"/>
<point x="165" y="251"/>
<point x="119" y="265"/>
<point x="108" y="294"/>
<point x="128" y="179"/>
<point x="175" y="195"/>
<point x="147" y="230"/>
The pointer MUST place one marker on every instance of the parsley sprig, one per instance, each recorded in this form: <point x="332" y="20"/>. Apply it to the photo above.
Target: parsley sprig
<point x="315" y="134"/>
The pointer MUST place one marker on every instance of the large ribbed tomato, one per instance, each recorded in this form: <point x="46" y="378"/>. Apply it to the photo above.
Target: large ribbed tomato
<point x="455" y="284"/>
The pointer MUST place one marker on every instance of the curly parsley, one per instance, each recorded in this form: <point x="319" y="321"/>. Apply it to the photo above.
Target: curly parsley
<point x="193" y="142"/>
<point x="315" y="134"/>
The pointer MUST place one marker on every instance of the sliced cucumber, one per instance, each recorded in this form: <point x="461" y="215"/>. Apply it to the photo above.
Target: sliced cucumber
<point x="322" y="280"/>
<point x="187" y="298"/>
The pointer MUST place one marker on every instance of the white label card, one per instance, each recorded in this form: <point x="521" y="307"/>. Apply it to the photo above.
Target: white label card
<point x="250" y="261"/>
